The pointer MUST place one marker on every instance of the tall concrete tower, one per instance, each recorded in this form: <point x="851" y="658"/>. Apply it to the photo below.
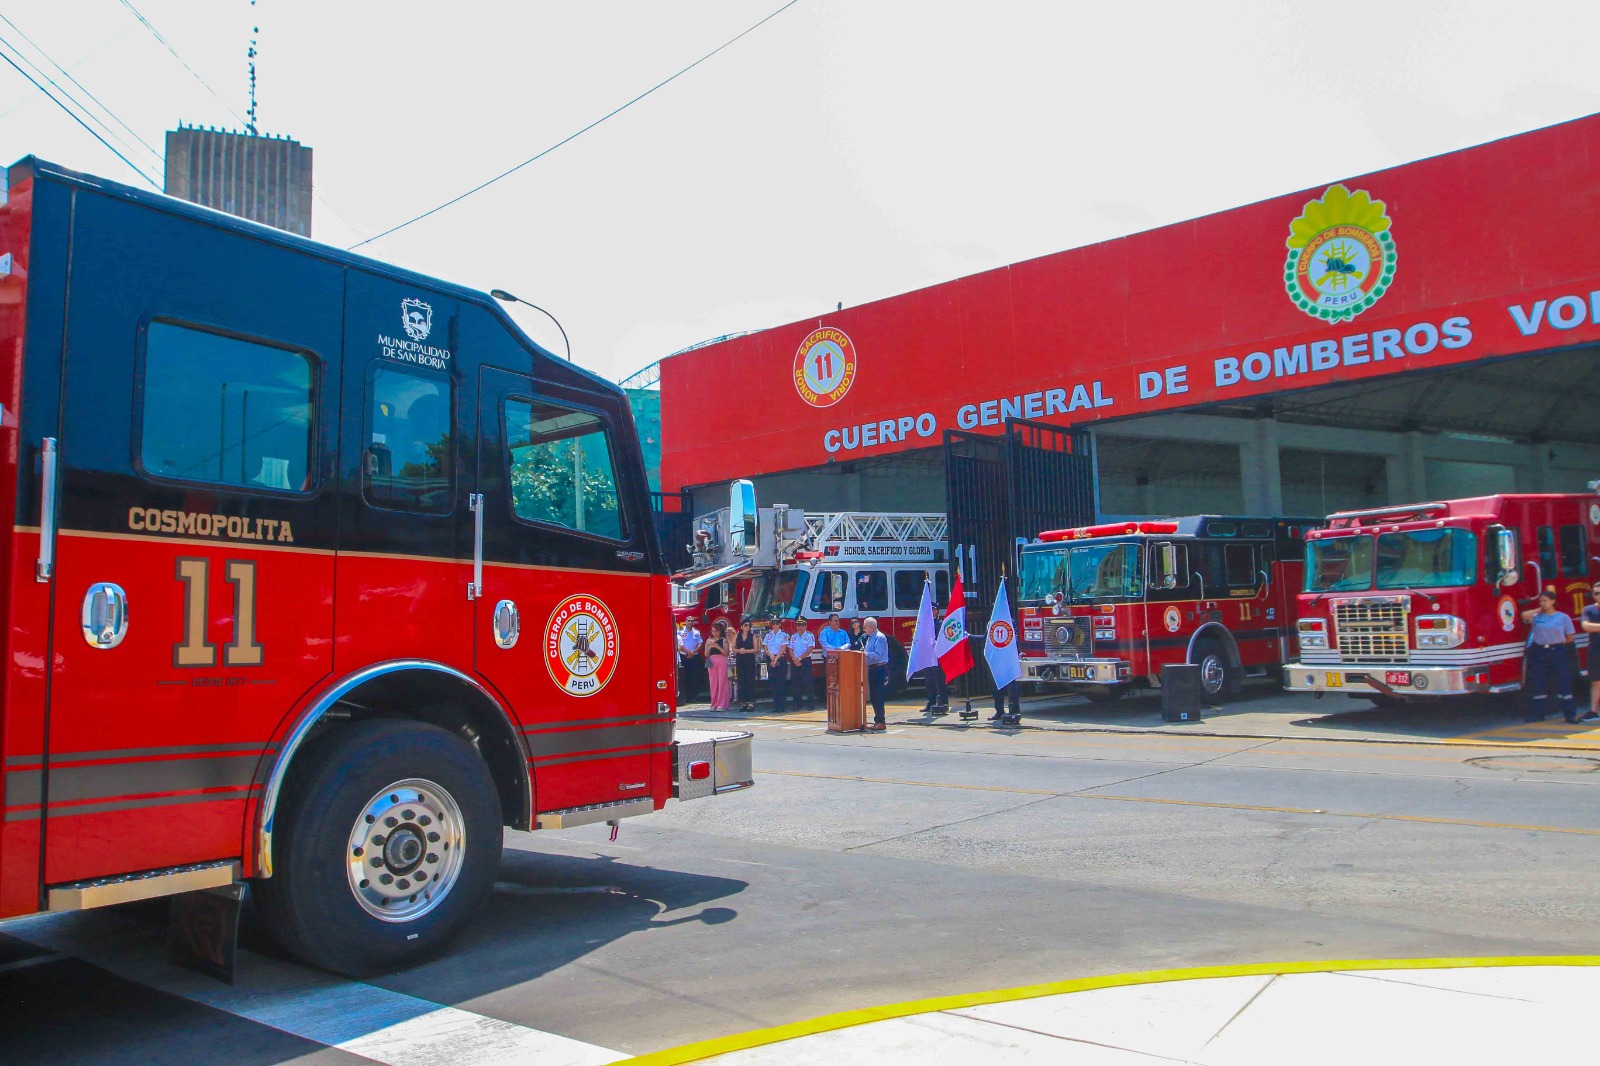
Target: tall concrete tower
<point x="265" y="179"/>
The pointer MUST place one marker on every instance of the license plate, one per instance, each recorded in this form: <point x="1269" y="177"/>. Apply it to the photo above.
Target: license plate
<point x="1079" y="673"/>
<point x="1397" y="677"/>
<point x="1334" y="680"/>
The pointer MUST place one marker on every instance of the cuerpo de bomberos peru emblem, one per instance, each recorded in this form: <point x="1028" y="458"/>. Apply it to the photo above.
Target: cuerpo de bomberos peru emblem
<point x="1341" y="255"/>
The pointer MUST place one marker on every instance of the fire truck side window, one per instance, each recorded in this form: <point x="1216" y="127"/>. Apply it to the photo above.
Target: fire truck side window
<point x="872" y="592"/>
<point x="410" y="459"/>
<point x="1574" y="552"/>
<point x="908" y="589"/>
<point x="561" y="470"/>
<point x="223" y="410"/>
<point x="828" y="596"/>
<point x="1547" y="551"/>
<point x="1241" y="565"/>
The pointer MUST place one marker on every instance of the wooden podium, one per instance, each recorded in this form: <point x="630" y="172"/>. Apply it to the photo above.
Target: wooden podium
<point x="847" y="690"/>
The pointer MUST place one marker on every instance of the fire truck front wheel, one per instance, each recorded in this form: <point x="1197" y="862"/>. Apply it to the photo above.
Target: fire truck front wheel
<point x="384" y="848"/>
<point x="1217" y="676"/>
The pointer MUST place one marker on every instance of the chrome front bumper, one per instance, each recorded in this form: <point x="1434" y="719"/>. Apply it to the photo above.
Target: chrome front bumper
<point x="1396" y="679"/>
<point x="1077" y="671"/>
<point x="709" y="762"/>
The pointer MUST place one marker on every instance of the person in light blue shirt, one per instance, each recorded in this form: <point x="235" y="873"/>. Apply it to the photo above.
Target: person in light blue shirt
<point x="876" y="645"/>
<point x="834" y="635"/>
<point x="1550" y="635"/>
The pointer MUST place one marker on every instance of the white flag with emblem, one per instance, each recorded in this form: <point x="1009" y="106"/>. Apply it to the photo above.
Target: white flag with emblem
<point x="1000" y="647"/>
<point x="922" y="654"/>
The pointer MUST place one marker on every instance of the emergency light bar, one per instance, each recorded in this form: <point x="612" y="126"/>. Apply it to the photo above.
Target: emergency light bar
<point x="1112" y="529"/>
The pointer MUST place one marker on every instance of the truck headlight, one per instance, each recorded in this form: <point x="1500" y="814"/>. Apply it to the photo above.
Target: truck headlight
<point x="1440" y="631"/>
<point x="1313" y="633"/>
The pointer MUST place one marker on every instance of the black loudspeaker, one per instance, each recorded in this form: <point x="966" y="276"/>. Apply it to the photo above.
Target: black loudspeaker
<point x="1181" y="693"/>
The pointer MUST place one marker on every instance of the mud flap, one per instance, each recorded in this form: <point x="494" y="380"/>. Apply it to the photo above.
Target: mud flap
<point x="203" y="931"/>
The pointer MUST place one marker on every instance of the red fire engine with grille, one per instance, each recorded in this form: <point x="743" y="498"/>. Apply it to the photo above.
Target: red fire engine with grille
<point x="1426" y="600"/>
<point x="1104" y="607"/>
<point x="320" y="573"/>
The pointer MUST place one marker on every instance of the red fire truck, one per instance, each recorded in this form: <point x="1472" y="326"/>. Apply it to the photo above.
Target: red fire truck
<point x="1426" y="600"/>
<point x="1105" y="607"/>
<point x="320" y="572"/>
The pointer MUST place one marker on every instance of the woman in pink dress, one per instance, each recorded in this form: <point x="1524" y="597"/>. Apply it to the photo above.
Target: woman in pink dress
<point x="716" y="653"/>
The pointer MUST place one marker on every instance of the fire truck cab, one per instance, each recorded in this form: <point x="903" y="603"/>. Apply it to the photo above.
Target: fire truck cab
<point x="320" y="573"/>
<point x="1426" y="600"/>
<point x="1104" y="607"/>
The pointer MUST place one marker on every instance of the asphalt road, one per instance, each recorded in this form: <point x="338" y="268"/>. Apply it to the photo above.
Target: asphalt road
<point x="874" y="869"/>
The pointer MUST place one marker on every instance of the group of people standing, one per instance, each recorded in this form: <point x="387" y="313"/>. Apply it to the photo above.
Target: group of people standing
<point x="789" y="658"/>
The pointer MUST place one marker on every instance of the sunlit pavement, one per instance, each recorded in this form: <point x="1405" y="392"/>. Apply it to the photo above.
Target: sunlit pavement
<point x="1261" y="711"/>
<point x="1481" y="1014"/>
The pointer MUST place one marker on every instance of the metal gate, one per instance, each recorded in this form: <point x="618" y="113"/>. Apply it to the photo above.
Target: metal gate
<point x="1001" y="488"/>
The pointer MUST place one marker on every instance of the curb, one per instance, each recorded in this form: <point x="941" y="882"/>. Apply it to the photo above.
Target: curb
<point x="723" y="1045"/>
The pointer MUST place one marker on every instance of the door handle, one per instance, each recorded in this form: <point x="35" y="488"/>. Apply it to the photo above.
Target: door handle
<point x="475" y="505"/>
<point x="507" y="624"/>
<point x="45" y="568"/>
<point x="105" y="615"/>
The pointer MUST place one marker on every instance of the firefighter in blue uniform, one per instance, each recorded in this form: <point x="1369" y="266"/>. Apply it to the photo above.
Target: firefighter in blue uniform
<point x="1549" y="658"/>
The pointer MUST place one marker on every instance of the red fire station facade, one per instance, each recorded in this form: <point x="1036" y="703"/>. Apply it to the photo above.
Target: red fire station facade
<point x="1480" y="255"/>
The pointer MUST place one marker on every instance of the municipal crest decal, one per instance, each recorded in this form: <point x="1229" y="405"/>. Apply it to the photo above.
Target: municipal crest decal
<point x="417" y="318"/>
<point x="1341" y="255"/>
<point x="824" y="367"/>
<point x="580" y="645"/>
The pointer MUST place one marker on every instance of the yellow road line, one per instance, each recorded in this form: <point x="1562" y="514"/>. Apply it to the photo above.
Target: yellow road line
<point x="845" y="1019"/>
<point x="1469" y="823"/>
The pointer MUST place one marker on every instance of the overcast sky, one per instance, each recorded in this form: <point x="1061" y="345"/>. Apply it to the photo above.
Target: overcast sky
<point x="845" y="151"/>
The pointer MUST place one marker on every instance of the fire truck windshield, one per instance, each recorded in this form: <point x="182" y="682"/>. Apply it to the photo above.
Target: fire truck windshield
<point x="1427" y="558"/>
<point x="778" y="595"/>
<point x="1339" y="564"/>
<point x="1086" y="573"/>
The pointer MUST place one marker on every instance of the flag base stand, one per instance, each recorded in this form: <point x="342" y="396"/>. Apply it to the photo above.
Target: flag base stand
<point x="968" y="714"/>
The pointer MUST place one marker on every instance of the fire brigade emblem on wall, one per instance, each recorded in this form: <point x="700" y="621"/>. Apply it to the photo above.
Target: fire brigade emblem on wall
<point x="581" y="645"/>
<point x="417" y="318"/>
<point x="824" y="367"/>
<point x="1341" y="255"/>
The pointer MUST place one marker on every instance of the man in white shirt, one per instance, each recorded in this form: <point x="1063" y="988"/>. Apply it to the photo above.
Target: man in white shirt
<point x="775" y="649"/>
<point x="803" y="677"/>
<point x="690" y="666"/>
<point x="876" y="646"/>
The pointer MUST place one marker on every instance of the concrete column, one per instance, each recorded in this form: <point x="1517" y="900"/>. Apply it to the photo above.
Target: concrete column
<point x="1259" y="470"/>
<point x="1414" y="470"/>
<point x="1538" y="469"/>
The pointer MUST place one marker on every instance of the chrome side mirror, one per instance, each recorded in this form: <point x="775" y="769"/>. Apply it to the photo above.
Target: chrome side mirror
<point x="744" y="519"/>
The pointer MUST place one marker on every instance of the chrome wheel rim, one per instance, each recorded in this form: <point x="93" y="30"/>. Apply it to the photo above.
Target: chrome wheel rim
<point x="405" y="850"/>
<point x="1212" y="674"/>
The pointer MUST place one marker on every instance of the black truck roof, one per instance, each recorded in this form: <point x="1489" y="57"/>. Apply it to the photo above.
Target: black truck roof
<point x="42" y="169"/>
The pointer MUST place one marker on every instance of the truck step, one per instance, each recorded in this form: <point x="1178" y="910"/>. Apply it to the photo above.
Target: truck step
<point x="596" y="812"/>
<point x="148" y="884"/>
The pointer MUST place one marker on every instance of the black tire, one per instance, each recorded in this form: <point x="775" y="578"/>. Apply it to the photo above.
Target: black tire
<point x="310" y="903"/>
<point x="1218" y="678"/>
<point x="1104" y="693"/>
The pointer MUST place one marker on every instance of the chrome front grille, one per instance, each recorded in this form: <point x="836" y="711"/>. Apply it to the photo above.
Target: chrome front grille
<point x="1372" y="629"/>
<point x="1069" y="638"/>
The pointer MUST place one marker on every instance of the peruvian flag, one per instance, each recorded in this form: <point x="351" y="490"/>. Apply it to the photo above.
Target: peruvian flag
<point x="950" y="646"/>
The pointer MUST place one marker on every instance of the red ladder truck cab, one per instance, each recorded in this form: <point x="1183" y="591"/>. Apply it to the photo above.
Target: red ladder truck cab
<point x="1426" y="600"/>
<point x="320" y="573"/>
<point x="1104" y="607"/>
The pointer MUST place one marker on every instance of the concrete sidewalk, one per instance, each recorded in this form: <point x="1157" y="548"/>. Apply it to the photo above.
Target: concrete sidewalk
<point x="1260" y="712"/>
<point x="1403" y="1011"/>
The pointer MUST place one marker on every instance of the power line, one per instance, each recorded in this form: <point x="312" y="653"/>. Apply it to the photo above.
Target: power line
<point x="573" y="136"/>
<point x="68" y="75"/>
<point x="168" y="46"/>
<point x="92" y="132"/>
